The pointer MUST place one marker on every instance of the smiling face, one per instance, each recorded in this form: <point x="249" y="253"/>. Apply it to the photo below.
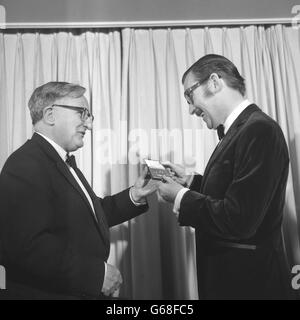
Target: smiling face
<point x="69" y="129"/>
<point x="203" y="101"/>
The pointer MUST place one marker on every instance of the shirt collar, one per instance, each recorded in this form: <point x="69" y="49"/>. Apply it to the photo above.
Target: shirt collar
<point x="234" y="114"/>
<point x="62" y="153"/>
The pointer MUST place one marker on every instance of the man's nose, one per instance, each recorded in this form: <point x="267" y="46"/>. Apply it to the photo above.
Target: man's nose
<point x="191" y="109"/>
<point x="88" y="124"/>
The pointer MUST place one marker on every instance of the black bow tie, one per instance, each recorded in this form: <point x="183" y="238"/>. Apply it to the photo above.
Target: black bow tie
<point x="220" y="131"/>
<point x="71" y="161"/>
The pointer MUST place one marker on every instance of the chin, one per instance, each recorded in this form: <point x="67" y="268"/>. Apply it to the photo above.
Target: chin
<point x="79" y="145"/>
<point x="76" y="146"/>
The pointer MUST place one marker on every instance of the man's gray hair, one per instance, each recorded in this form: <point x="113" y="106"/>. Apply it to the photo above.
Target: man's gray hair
<point x="47" y="94"/>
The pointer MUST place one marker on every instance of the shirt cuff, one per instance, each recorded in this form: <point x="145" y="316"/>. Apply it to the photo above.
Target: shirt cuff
<point x="134" y="202"/>
<point x="105" y="269"/>
<point x="178" y="199"/>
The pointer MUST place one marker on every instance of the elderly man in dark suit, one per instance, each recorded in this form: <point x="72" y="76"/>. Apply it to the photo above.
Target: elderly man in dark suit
<point x="236" y="207"/>
<point x="54" y="230"/>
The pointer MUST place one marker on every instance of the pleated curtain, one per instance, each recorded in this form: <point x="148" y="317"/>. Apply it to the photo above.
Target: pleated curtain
<point x="133" y="82"/>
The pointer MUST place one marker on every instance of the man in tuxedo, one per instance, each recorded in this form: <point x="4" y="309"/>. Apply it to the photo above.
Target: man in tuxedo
<point x="54" y="230"/>
<point x="236" y="207"/>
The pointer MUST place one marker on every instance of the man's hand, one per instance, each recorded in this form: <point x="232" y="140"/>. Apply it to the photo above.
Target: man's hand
<point x="177" y="172"/>
<point x="143" y="187"/>
<point x="112" y="280"/>
<point x="169" y="188"/>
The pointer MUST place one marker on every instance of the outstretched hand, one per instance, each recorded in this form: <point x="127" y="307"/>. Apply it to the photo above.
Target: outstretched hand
<point x="177" y="172"/>
<point x="143" y="187"/>
<point x="168" y="189"/>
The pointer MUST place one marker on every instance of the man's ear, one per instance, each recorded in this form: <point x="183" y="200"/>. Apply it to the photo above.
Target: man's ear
<point x="215" y="83"/>
<point x="48" y="116"/>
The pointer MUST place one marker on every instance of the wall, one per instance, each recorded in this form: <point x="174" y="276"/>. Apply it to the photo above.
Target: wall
<point x="138" y="10"/>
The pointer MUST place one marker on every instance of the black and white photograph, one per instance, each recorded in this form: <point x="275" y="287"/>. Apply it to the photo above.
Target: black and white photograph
<point x="149" y="152"/>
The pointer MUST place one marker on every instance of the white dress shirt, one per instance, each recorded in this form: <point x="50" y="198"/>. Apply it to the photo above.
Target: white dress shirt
<point x="227" y="124"/>
<point x="234" y="114"/>
<point x="63" y="154"/>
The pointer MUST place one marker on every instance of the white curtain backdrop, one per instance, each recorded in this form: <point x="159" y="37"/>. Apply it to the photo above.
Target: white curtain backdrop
<point x="133" y="81"/>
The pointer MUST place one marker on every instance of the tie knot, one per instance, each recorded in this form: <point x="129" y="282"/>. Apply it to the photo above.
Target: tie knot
<point x="71" y="161"/>
<point x="220" y="131"/>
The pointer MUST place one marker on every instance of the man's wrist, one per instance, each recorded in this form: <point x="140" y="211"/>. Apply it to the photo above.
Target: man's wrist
<point x="178" y="199"/>
<point x="138" y="201"/>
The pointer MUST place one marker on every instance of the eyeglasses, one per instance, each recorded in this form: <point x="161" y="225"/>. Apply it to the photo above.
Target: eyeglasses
<point x="84" y="112"/>
<point x="188" y="93"/>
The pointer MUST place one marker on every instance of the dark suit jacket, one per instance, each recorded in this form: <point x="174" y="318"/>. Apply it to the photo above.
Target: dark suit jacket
<point x="51" y="240"/>
<point x="236" y="209"/>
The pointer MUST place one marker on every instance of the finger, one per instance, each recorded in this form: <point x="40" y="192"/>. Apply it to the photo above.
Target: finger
<point x="173" y="176"/>
<point x="113" y="290"/>
<point x="117" y="285"/>
<point x="177" y="180"/>
<point x="113" y="286"/>
<point x="166" y="179"/>
<point x="106" y="292"/>
<point x="171" y="172"/>
<point x="116" y="293"/>
<point x="108" y="288"/>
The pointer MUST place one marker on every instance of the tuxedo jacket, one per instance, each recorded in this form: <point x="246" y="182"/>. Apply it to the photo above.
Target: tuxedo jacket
<point x="236" y="208"/>
<point x="51" y="240"/>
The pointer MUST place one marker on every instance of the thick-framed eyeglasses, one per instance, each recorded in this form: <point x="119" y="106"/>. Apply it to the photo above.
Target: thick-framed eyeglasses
<point x="84" y="112"/>
<point x="188" y="93"/>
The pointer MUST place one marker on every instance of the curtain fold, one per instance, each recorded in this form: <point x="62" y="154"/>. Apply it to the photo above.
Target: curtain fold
<point x="4" y="129"/>
<point x="18" y="131"/>
<point x="133" y="82"/>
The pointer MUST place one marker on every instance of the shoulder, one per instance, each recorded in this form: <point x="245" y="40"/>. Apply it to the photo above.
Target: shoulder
<point x="261" y="125"/>
<point x="28" y="158"/>
<point x="263" y="132"/>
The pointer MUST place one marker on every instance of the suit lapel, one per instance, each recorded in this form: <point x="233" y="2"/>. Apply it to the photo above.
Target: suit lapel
<point x="235" y="127"/>
<point x="96" y="202"/>
<point x="65" y="171"/>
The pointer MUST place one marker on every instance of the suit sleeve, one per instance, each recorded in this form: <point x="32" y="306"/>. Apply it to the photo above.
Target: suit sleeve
<point x="196" y="183"/>
<point x="260" y="162"/>
<point x="119" y="208"/>
<point x="33" y="247"/>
